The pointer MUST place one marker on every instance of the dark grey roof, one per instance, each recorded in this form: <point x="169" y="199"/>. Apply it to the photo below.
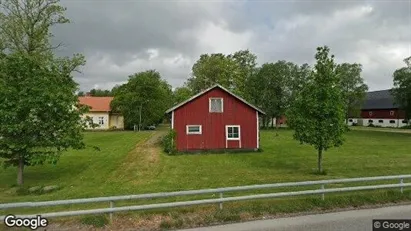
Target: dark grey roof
<point x="379" y="100"/>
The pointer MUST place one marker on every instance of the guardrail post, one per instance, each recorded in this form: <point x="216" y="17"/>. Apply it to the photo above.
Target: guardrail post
<point x="322" y="194"/>
<point x="402" y="182"/>
<point x="221" y="203"/>
<point x="111" y="214"/>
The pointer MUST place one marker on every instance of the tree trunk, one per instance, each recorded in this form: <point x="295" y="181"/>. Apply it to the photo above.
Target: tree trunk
<point x="272" y="122"/>
<point x="320" y="160"/>
<point x="346" y="117"/>
<point x="276" y="123"/>
<point x="20" y="171"/>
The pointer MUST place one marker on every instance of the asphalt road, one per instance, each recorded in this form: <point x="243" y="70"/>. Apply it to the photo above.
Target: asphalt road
<point x="355" y="220"/>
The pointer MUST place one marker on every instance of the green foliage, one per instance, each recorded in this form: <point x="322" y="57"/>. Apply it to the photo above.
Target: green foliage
<point x="270" y="87"/>
<point x="246" y="67"/>
<point x="25" y="25"/>
<point x="144" y="92"/>
<point x="406" y="126"/>
<point x="38" y="114"/>
<point x="38" y="117"/>
<point x="169" y="142"/>
<point x="402" y="88"/>
<point x="353" y="88"/>
<point x="90" y="123"/>
<point x="317" y="115"/>
<point x="100" y="92"/>
<point x="180" y="94"/>
<point x="230" y="71"/>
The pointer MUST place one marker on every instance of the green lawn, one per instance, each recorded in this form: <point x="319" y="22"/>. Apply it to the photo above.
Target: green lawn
<point x="118" y="169"/>
<point x="80" y="173"/>
<point x="131" y="163"/>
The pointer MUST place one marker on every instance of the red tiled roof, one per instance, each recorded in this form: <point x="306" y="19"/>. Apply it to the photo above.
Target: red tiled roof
<point x="96" y="103"/>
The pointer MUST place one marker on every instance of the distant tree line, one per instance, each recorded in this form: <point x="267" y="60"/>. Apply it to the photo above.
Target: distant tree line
<point x="273" y="87"/>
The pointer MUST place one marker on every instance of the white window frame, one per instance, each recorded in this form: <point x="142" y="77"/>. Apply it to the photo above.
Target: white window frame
<point x="231" y="126"/>
<point x="392" y="113"/>
<point x="101" y="119"/>
<point x="194" y="133"/>
<point x="209" y="104"/>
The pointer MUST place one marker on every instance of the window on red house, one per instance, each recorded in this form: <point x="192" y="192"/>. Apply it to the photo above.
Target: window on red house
<point x="216" y="105"/>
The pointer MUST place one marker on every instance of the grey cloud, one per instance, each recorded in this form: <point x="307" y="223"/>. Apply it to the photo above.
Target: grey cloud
<point x="115" y="35"/>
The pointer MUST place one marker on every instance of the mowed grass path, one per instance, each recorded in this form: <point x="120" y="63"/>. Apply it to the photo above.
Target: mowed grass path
<point x="122" y="168"/>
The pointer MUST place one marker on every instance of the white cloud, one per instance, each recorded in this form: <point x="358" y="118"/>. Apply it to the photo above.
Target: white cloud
<point x="217" y="38"/>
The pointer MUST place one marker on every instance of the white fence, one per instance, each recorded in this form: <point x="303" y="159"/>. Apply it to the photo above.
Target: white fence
<point x="220" y="191"/>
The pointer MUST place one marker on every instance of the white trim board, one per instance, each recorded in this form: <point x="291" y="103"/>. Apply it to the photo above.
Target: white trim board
<point x="209" y="104"/>
<point x="258" y="130"/>
<point x="194" y="133"/>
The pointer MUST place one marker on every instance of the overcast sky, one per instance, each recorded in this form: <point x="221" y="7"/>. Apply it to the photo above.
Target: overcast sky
<point x="122" y="37"/>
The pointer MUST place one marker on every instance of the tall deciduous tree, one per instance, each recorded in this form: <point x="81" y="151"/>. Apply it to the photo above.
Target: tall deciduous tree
<point x="299" y="77"/>
<point x="181" y="94"/>
<point x="271" y="87"/>
<point x="230" y="71"/>
<point x="38" y="116"/>
<point x="210" y="70"/>
<point x="246" y="66"/>
<point x="146" y="95"/>
<point x="402" y="88"/>
<point x="317" y="115"/>
<point x="353" y="88"/>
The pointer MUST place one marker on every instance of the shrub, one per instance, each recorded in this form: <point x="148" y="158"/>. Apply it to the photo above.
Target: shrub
<point x="371" y="125"/>
<point x="113" y="128"/>
<point x="354" y="124"/>
<point x="169" y="142"/>
<point x="406" y="126"/>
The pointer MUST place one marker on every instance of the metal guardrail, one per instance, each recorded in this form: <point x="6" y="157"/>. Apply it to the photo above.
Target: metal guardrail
<point x="220" y="200"/>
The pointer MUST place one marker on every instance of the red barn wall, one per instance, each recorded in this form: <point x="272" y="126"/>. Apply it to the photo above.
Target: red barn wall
<point x="383" y="114"/>
<point x="213" y="134"/>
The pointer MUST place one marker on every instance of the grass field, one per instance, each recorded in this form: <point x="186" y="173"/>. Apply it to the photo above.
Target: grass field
<point x="131" y="163"/>
<point x="120" y="168"/>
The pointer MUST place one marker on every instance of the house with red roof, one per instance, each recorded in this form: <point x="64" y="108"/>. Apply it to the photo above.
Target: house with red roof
<point x="100" y="112"/>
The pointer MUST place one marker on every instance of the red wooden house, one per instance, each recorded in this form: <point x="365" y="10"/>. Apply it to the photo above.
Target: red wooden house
<point x="215" y="119"/>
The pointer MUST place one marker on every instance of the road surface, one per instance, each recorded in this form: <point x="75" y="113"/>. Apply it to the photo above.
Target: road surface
<point x="355" y="220"/>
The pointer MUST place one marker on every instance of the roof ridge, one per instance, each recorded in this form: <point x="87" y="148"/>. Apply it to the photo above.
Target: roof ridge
<point x="209" y="89"/>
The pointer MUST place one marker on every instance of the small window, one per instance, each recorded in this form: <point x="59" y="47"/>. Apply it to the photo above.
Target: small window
<point x="370" y="121"/>
<point x="370" y="113"/>
<point x="193" y="129"/>
<point x="233" y="132"/>
<point x="391" y="113"/>
<point x="392" y="121"/>
<point x="380" y="121"/>
<point x="404" y="122"/>
<point x="350" y="120"/>
<point x="216" y="105"/>
<point x="101" y="120"/>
